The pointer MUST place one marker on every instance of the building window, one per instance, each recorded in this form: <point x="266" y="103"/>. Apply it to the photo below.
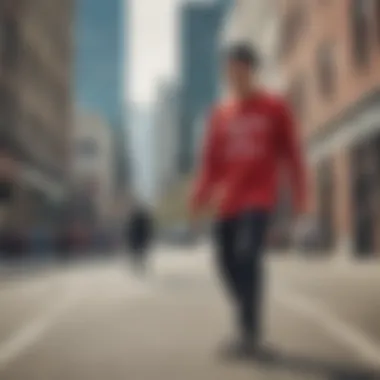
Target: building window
<point x="326" y="72"/>
<point x="360" y="21"/>
<point x="296" y="96"/>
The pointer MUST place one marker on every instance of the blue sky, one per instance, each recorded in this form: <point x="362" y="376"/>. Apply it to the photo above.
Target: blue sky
<point x="99" y="81"/>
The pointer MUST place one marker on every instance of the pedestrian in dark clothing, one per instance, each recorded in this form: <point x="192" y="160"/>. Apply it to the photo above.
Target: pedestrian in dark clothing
<point x="250" y="140"/>
<point x="139" y="236"/>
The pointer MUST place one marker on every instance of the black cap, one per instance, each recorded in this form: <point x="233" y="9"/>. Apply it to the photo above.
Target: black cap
<point x="245" y="53"/>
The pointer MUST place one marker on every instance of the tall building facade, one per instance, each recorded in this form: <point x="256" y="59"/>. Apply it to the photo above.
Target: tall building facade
<point x="92" y="160"/>
<point x="142" y="139"/>
<point x="166" y="125"/>
<point x="99" y="68"/>
<point x="330" y="58"/>
<point x="36" y="104"/>
<point x="100" y="56"/>
<point x="199" y="68"/>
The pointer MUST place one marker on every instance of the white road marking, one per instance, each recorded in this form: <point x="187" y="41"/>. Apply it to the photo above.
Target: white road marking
<point x="342" y="331"/>
<point x="36" y="328"/>
<point x="79" y="287"/>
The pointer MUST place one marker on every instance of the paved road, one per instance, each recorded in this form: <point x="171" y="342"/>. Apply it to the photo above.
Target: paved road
<point x="97" y="321"/>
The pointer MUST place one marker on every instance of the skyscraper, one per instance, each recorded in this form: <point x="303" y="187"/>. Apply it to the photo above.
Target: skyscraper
<point x="100" y="45"/>
<point x="99" y="56"/>
<point x="36" y="104"/>
<point x="166" y="136"/>
<point x="199" y="68"/>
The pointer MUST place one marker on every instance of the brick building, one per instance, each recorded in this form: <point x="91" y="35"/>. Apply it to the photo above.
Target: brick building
<point x="330" y="57"/>
<point x="35" y="101"/>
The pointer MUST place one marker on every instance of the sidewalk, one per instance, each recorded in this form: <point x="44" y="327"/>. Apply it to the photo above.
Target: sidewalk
<point x="295" y="260"/>
<point x="10" y="269"/>
<point x="13" y="270"/>
<point x="326" y="258"/>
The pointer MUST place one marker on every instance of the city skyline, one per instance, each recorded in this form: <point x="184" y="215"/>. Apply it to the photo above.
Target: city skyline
<point x="154" y="56"/>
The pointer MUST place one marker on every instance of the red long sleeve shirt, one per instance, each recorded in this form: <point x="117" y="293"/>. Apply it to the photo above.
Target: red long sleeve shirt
<point x="246" y="146"/>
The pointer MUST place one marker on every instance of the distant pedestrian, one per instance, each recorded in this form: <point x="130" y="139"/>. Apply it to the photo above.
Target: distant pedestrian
<point x="250" y="139"/>
<point x="139" y="236"/>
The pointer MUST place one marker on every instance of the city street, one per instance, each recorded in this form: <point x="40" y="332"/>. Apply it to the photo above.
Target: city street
<point x="98" y="321"/>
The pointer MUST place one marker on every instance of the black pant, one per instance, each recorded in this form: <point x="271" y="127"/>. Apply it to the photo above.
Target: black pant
<point x="239" y="244"/>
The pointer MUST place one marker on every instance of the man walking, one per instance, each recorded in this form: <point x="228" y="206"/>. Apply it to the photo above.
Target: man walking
<point x="249" y="142"/>
<point x="139" y="236"/>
